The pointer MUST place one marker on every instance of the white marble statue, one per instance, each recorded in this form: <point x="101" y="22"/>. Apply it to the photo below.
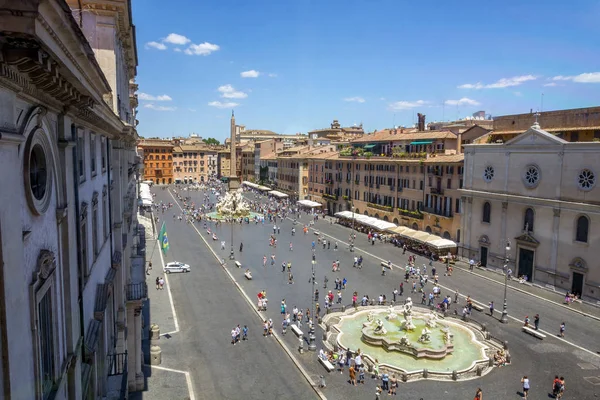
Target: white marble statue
<point x="379" y="328"/>
<point x="404" y="341"/>
<point x="233" y="205"/>
<point x="370" y="316"/>
<point x="408" y="303"/>
<point x="431" y="320"/>
<point x="391" y="313"/>
<point x="408" y="324"/>
<point x="425" y="335"/>
<point x="447" y="336"/>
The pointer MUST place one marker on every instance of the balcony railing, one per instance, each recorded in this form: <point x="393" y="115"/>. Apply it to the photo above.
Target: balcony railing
<point x="437" y="211"/>
<point x="411" y="214"/>
<point x="117" y="374"/>
<point x="330" y="196"/>
<point x="137" y="291"/>
<point x="437" y="190"/>
<point x="380" y="207"/>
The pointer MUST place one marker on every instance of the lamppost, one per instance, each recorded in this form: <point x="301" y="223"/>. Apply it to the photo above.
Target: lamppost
<point x="504" y="318"/>
<point x="234" y="210"/>
<point x="312" y="345"/>
<point x="353" y="175"/>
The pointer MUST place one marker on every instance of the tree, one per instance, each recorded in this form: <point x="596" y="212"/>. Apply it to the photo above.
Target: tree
<point x="211" y="141"/>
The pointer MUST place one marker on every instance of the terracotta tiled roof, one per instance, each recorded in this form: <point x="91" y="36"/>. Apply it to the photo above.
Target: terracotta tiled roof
<point x="271" y="156"/>
<point x="388" y="135"/>
<point x="155" y="143"/>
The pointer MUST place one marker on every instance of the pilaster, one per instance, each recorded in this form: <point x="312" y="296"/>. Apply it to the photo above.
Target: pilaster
<point x="555" y="238"/>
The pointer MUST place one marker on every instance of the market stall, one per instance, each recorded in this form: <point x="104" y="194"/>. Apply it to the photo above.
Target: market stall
<point x="371" y="222"/>
<point x="264" y="188"/>
<point x="308" y="203"/>
<point x="250" y="184"/>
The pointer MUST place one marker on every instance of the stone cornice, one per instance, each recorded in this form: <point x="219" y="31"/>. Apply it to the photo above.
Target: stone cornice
<point x="535" y="201"/>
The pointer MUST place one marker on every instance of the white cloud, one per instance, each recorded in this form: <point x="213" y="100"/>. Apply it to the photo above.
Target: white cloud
<point x="518" y="94"/>
<point x="382" y="98"/>
<point x="177" y="49"/>
<point x="502" y="83"/>
<point x="174" y="38"/>
<point x="202" y="49"/>
<point x="550" y="84"/>
<point x="588" y="77"/>
<point x="227" y="104"/>
<point x="407" y="105"/>
<point x="159" y="108"/>
<point x="156" y="45"/>
<point x="192" y="109"/>
<point x="272" y="75"/>
<point x="355" y="99"/>
<point x="149" y="97"/>
<point x="250" y="74"/>
<point x="465" y="101"/>
<point x="229" y="92"/>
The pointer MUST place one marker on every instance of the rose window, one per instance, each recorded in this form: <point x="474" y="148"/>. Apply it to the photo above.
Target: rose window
<point x="532" y="176"/>
<point x="586" y="179"/>
<point x="488" y="173"/>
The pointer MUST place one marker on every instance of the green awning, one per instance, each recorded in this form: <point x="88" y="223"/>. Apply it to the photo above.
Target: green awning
<point x="370" y="146"/>
<point x="422" y="142"/>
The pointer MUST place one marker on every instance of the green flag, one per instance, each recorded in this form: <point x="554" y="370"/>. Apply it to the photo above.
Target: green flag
<point x="163" y="239"/>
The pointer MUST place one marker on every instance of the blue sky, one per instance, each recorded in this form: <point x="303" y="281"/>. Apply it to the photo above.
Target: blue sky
<point x="307" y="62"/>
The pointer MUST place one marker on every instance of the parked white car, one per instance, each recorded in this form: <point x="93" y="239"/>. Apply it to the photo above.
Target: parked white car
<point x="176" y="266"/>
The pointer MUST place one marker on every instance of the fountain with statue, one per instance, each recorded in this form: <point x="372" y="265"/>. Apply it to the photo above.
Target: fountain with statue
<point x="232" y="205"/>
<point x="411" y="340"/>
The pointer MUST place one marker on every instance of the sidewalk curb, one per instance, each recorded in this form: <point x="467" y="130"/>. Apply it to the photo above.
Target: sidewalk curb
<point x="490" y="279"/>
<point x="279" y="340"/>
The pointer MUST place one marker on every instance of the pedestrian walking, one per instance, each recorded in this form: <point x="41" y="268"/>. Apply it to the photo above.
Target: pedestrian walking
<point x="222" y="245"/>
<point x="395" y="293"/>
<point x="385" y="381"/>
<point x="536" y="321"/>
<point x="361" y="374"/>
<point x="157" y="283"/>
<point x="492" y="308"/>
<point x="393" y="385"/>
<point x="245" y="333"/>
<point x="241" y="247"/>
<point x="352" y="375"/>
<point x="161" y="283"/>
<point x="479" y="394"/>
<point x="562" y="329"/>
<point x="401" y="288"/>
<point x="525" y="382"/>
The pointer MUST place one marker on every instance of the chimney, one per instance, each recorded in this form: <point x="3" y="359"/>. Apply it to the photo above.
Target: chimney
<point x="459" y="143"/>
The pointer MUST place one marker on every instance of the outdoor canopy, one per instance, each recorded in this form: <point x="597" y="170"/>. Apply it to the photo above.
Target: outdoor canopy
<point x="252" y="185"/>
<point x="421" y="142"/>
<point x="366" y="220"/>
<point x="308" y="203"/>
<point x="278" y="194"/>
<point x="424" y="237"/>
<point x="264" y="188"/>
<point x="370" y="146"/>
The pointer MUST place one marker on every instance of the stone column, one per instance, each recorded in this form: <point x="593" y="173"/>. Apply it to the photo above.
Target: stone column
<point x="555" y="234"/>
<point x="139" y="375"/>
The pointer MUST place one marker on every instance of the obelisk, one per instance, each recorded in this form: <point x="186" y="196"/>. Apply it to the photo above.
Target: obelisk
<point x="234" y="182"/>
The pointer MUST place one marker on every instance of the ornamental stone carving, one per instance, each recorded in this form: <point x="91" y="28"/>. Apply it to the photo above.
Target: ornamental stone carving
<point x="46" y="264"/>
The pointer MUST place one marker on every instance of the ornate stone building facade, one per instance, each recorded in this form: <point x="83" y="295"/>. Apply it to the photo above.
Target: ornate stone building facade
<point x="540" y="193"/>
<point x="67" y="136"/>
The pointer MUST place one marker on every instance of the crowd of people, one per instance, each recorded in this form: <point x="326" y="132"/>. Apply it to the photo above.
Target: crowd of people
<point x="423" y="280"/>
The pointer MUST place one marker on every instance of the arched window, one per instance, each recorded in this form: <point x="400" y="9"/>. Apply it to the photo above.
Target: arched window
<point x="528" y="220"/>
<point x="447" y="235"/>
<point x="428" y="229"/>
<point x="487" y="212"/>
<point x="582" y="230"/>
<point x="415" y="226"/>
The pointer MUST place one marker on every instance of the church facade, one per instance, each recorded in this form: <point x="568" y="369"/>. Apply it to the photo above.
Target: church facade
<point x="540" y="195"/>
